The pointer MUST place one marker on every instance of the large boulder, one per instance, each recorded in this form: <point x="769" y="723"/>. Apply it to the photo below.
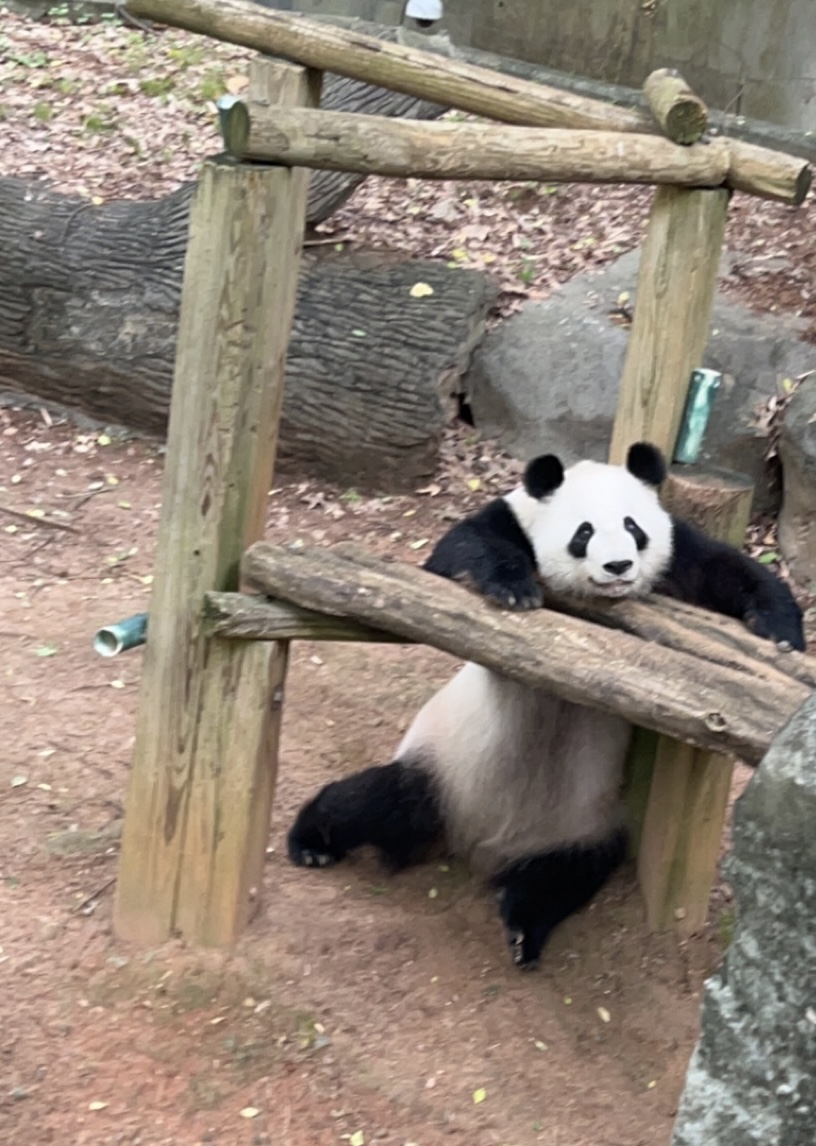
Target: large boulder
<point x="752" y="1080"/>
<point x="548" y="377"/>
<point x="797" y="449"/>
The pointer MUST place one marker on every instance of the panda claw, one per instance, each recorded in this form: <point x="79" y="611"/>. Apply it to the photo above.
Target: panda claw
<point x="308" y="858"/>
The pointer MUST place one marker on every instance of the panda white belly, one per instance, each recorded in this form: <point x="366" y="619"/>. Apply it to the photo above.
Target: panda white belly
<point x="519" y="771"/>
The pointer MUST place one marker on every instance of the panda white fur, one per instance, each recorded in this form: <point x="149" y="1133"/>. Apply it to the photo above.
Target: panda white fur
<point x="523" y="785"/>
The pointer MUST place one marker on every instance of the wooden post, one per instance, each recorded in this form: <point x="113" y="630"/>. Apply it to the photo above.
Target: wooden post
<point x="675" y="296"/>
<point x="204" y="762"/>
<point x="687" y="801"/>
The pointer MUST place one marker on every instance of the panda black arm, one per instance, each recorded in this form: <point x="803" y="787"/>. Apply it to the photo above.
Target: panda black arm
<point x="491" y="550"/>
<point x="719" y="577"/>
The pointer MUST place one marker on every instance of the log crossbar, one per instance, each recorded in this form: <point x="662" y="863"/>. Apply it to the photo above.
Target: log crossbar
<point x="379" y="145"/>
<point x="697" y="677"/>
<point x="755" y="170"/>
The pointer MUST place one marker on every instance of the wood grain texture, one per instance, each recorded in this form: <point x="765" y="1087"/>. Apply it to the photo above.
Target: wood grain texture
<point x="689" y="789"/>
<point x="707" y="704"/>
<point x="203" y="765"/>
<point x="675" y="294"/>
<point x="452" y="83"/>
<point x="682" y="115"/>
<point x="376" y="145"/>
<point x="410" y="70"/>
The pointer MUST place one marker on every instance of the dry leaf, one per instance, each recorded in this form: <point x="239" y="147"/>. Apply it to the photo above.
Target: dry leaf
<point x="479" y="1095"/>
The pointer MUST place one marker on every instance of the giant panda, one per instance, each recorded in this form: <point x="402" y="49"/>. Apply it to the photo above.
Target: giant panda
<point x="522" y="784"/>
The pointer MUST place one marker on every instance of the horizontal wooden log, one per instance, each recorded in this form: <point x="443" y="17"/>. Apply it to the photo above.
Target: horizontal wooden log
<point x="243" y="616"/>
<point x="768" y="174"/>
<point x="682" y="115"/>
<point x="673" y="624"/>
<point x="441" y="80"/>
<point x="376" y="145"/>
<point x="709" y="705"/>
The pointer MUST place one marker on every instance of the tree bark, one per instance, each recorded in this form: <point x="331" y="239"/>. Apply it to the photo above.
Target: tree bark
<point x="374" y="145"/>
<point x="476" y="90"/>
<point x="89" y="300"/>
<point x="682" y="115"/>
<point x="709" y="705"/>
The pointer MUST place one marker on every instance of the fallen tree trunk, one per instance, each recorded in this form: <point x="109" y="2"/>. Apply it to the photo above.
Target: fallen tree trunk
<point x="370" y="144"/>
<point x="89" y="300"/>
<point x="711" y="705"/>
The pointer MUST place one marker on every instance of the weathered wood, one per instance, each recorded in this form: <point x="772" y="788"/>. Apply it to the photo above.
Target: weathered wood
<point x="375" y="145"/>
<point x="675" y="294"/>
<point x="715" y="500"/>
<point x="370" y="369"/>
<point x="707" y="636"/>
<point x="709" y="705"/>
<point x="681" y="834"/>
<point x="328" y="190"/>
<point x="192" y="845"/>
<point x="243" y="616"/>
<point x="682" y="115"/>
<point x="419" y="73"/>
<point x="450" y="82"/>
<point x="689" y="791"/>
<point x="768" y="174"/>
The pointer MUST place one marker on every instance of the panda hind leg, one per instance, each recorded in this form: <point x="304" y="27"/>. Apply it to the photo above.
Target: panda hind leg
<point x="391" y="807"/>
<point x="539" y="892"/>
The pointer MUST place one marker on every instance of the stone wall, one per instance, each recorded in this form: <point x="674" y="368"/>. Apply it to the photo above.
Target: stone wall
<point x="756" y="58"/>
<point x="752" y="1078"/>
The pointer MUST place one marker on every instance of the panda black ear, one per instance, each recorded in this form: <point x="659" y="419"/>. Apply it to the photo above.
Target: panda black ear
<point x="645" y="462"/>
<point x="543" y="475"/>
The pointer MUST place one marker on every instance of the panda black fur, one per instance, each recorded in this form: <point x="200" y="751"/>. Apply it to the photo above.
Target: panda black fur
<point x="523" y="785"/>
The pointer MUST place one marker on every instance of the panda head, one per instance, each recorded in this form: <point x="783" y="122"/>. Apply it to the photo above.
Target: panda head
<point x="596" y="529"/>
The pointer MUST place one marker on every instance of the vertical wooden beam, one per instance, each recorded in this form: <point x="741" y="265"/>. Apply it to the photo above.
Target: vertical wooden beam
<point x="677" y="282"/>
<point x="204" y="762"/>
<point x="675" y="294"/>
<point x="682" y="824"/>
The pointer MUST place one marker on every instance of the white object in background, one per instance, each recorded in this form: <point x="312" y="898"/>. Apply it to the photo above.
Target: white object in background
<point x="424" y="10"/>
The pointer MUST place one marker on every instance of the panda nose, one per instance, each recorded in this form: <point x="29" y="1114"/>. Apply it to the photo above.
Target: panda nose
<point x="617" y="568"/>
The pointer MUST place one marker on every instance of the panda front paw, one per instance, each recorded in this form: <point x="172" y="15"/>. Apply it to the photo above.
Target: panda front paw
<point x="519" y="595"/>
<point x="783" y="627"/>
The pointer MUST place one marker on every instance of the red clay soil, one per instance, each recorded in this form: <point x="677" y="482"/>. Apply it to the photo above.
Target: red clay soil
<point x="357" y="1008"/>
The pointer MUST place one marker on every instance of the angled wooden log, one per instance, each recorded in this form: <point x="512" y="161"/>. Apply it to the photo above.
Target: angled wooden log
<point x="478" y="90"/>
<point x="376" y="145"/>
<point x="682" y="115"/>
<point x="706" y="704"/>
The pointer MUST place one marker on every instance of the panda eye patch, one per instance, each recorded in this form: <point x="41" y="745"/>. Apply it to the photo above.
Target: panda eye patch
<point x="631" y="526"/>
<point x="580" y="539"/>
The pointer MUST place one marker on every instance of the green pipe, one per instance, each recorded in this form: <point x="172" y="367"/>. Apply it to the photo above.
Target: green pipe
<point x="127" y="634"/>
<point x="702" y="389"/>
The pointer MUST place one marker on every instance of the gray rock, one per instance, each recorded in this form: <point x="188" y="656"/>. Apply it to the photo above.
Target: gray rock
<point x="751" y="1081"/>
<point x="797" y="449"/>
<point x="547" y="378"/>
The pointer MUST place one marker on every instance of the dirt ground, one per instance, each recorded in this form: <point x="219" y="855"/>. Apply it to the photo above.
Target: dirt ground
<point x="357" y="1008"/>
